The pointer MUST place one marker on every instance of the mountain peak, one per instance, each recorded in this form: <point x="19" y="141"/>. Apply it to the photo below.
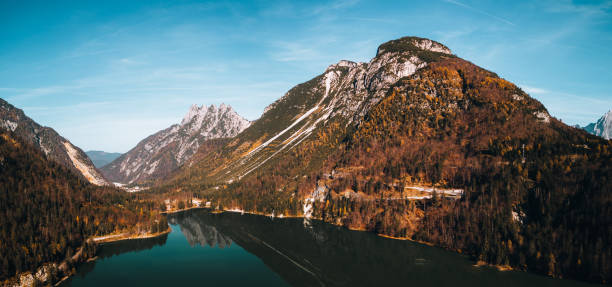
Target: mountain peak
<point x="200" y="112"/>
<point x="162" y="152"/>
<point x="412" y="45"/>
<point x="223" y="107"/>
<point x="193" y="112"/>
<point x="603" y="127"/>
<point x="342" y="63"/>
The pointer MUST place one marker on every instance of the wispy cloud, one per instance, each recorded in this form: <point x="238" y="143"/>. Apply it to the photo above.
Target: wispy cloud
<point x="334" y="5"/>
<point x="588" y="9"/>
<point x="291" y="52"/>
<point x="372" y="19"/>
<point x="450" y="35"/>
<point x="469" y="7"/>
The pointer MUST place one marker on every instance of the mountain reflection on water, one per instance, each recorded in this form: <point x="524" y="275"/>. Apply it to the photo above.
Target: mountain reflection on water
<point x="312" y="253"/>
<point x="230" y="249"/>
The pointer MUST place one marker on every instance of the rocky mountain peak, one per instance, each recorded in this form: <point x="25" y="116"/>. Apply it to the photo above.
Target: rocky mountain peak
<point x="164" y="151"/>
<point x="342" y="64"/>
<point x="194" y="112"/>
<point x="603" y="126"/>
<point x="412" y="45"/>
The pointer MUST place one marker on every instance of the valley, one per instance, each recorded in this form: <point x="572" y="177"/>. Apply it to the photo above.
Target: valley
<point x="415" y="144"/>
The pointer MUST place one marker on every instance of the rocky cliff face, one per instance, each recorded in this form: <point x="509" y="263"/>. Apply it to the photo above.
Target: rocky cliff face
<point x="603" y="126"/>
<point x="161" y="153"/>
<point x="54" y="146"/>
<point x="329" y="103"/>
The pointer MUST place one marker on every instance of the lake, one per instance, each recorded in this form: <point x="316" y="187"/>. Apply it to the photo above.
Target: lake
<point x="230" y="249"/>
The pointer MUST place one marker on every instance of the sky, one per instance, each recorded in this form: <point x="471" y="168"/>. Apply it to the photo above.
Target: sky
<point x="106" y="74"/>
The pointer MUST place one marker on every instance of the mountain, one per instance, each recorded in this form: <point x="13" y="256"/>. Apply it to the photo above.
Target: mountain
<point x="420" y="144"/>
<point x="603" y="126"/>
<point x="53" y="145"/>
<point x="101" y="158"/>
<point x="163" y="152"/>
<point x="330" y="103"/>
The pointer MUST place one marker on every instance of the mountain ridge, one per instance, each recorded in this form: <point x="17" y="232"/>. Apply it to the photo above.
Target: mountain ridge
<point x="161" y="153"/>
<point x="603" y="126"/>
<point x="53" y="145"/>
<point x="342" y="94"/>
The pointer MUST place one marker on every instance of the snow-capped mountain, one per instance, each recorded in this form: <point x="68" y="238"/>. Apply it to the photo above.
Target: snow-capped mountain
<point x="54" y="146"/>
<point x="164" y="151"/>
<point x="603" y="126"/>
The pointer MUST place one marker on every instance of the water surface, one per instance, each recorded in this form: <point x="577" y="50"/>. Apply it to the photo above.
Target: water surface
<point x="230" y="249"/>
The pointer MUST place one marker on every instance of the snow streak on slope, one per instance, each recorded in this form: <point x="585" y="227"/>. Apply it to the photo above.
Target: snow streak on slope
<point x="343" y="94"/>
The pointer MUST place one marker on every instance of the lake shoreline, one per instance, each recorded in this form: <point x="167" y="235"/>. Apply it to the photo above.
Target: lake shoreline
<point x="29" y="277"/>
<point x="121" y="237"/>
<point x="477" y="264"/>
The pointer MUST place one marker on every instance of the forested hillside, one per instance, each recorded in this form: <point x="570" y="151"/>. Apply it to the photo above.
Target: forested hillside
<point x="533" y="193"/>
<point x="47" y="212"/>
<point x="536" y="192"/>
<point x="54" y="146"/>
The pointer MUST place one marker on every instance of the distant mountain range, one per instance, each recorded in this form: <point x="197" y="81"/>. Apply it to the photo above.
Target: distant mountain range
<point x="101" y="158"/>
<point x="603" y="126"/>
<point x="54" y="146"/>
<point x="161" y="153"/>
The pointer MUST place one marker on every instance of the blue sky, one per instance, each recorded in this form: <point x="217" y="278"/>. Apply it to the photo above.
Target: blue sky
<point x="106" y="74"/>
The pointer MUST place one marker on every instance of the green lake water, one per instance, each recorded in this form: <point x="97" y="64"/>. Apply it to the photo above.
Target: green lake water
<point x="230" y="249"/>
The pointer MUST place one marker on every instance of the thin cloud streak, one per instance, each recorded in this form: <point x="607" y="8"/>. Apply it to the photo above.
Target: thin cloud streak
<point x="461" y="4"/>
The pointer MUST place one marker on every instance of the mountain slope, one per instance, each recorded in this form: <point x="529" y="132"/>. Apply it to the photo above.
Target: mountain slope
<point x="53" y="145"/>
<point x="101" y="158"/>
<point x="163" y="152"/>
<point x="329" y="103"/>
<point x="603" y="126"/>
<point x="47" y="212"/>
<point x="440" y="150"/>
